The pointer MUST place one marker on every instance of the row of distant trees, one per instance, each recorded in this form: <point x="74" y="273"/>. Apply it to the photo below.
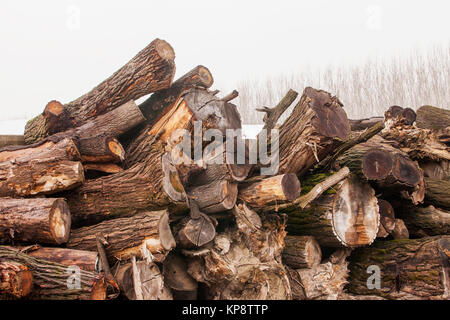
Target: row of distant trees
<point x="420" y="78"/>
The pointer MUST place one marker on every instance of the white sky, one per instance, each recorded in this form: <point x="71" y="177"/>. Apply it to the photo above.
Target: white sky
<point x="61" y="49"/>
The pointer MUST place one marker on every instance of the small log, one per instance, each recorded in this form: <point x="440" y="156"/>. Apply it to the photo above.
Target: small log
<point x="273" y="114"/>
<point x="150" y="70"/>
<point x="146" y="234"/>
<point x="406" y="116"/>
<point x="230" y="96"/>
<point x="362" y="124"/>
<point x="301" y="252"/>
<point x="54" y="281"/>
<point x="214" y="197"/>
<point x="409" y="269"/>
<point x="196" y="231"/>
<point x="346" y="215"/>
<point x="429" y="117"/>
<point x="387" y="218"/>
<point x="285" y="187"/>
<point x="11" y="140"/>
<point x="142" y="281"/>
<point x="103" y="167"/>
<point x="176" y="277"/>
<point x="316" y="126"/>
<point x="42" y="220"/>
<point x="400" y="230"/>
<point x="16" y="279"/>
<point x="438" y="193"/>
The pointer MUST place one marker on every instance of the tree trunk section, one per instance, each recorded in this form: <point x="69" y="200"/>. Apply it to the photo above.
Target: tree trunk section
<point x="301" y="252"/>
<point x="433" y="118"/>
<point x="16" y="280"/>
<point x="438" y="193"/>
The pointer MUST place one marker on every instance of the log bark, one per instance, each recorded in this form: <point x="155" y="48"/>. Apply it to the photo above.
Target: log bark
<point x="277" y="189"/>
<point x="16" y="279"/>
<point x="215" y="197"/>
<point x="244" y="262"/>
<point x="387" y="218"/>
<point x="346" y="215"/>
<point x="400" y="230"/>
<point x="146" y="235"/>
<point x="429" y="117"/>
<point x="315" y="127"/>
<point x="150" y="70"/>
<point x="273" y="114"/>
<point x="54" y="281"/>
<point x="438" y="193"/>
<point x="301" y="252"/>
<point x="362" y="124"/>
<point x="409" y="269"/>
<point x="103" y="167"/>
<point x="42" y="220"/>
<point x="11" y="140"/>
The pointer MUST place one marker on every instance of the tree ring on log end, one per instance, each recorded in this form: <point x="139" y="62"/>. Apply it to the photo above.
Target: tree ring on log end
<point x="355" y="215"/>
<point x="377" y="164"/>
<point x="406" y="171"/>
<point x="164" y="49"/>
<point x="171" y="180"/>
<point x="60" y="221"/>
<point x="165" y="234"/>
<point x="116" y="148"/>
<point x="291" y="186"/>
<point x="54" y="108"/>
<point x="205" y="76"/>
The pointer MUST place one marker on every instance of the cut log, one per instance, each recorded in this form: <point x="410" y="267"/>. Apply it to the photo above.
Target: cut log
<point x="146" y="235"/>
<point x="362" y="124"/>
<point x="316" y="126"/>
<point x="424" y="221"/>
<point x="196" y="231"/>
<point x="214" y="197"/>
<point x="34" y="220"/>
<point x="438" y="193"/>
<point x="277" y="189"/>
<point x="436" y="170"/>
<point x="101" y="149"/>
<point x="103" y="167"/>
<point x="400" y="230"/>
<point x="301" y="252"/>
<point x="387" y="218"/>
<point x="16" y="279"/>
<point x="346" y="215"/>
<point x="273" y="114"/>
<point x="429" y="117"/>
<point x="11" y="140"/>
<point x="399" y="115"/>
<point x="176" y="277"/>
<point x="244" y="262"/>
<point x="409" y="269"/>
<point x="142" y="281"/>
<point x="54" y="281"/>
<point x="150" y="70"/>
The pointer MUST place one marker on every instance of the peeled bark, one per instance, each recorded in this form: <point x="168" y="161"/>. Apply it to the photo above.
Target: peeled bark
<point x="429" y="117"/>
<point x="271" y="190"/>
<point x="150" y="70"/>
<point x="315" y="127"/>
<point x="387" y="218"/>
<point x="301" y="252"/>
<point x="438" y="193"/>
<point x="11" y="140"/>
<point x="54" y="281"/>
<point x="146" y="235"/>
<point x="34" y="220"/>
<point x="409" y="269"/>
<point x="424" y="221"/>
<point x="16" y="279"/>
<point x="346" y="215"/>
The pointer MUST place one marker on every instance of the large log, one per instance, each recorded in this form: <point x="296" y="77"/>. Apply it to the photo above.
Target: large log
<point x="438" y="193"/>
<point x="11" y="140"/>
<point x="244" y="262"/>
<point x="146" y="234"/>
<point x="42" y="220"/>
<point x="150" y="70"/>
<point x="301" y="252"/>
<point x="316" y="126"/>
<point x="54" y="281"/>
<point x="271" y="190"/>
<point x="16" y="279"/>
<point x="429" y="117"/>
<point x="409" y="269"/>
<point x="346" y="215"/>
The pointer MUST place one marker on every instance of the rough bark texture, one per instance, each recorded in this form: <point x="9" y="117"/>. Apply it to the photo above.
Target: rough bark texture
<point x="438" y="193"/>
<point x="429" y="117"/>
<point x="16" y="279"/>
<point x="313" y="130"/>
<point x="51" y="279"/>
<point x="346" y="215"/>
<point x="145" y="235"/>
<point x="150" y="70"/>
<point x="301" y="252"/>
<point x="244" y="262"/>
<point x="11" y="140"/>
<point x="34" y="220"/>
<point x="409" y="269"/>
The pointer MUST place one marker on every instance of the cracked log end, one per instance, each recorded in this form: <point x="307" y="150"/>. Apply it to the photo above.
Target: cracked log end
<point x="60" y="221"/>
<point x="377" y="164"/>
<point x="406" y="171"/>
<point x="15" y="279"/>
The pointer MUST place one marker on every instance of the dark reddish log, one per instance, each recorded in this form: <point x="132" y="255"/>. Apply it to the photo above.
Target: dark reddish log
<point x="406" y="116"/>
<point x="409" y="269"/>
<point x="316" y="126"/>
<point x="54" y="281"/>
<point x="400" y="230"/>
<point x="429" y="117"/>
<point x="146" y="234"/>
<point x="438" y="193"/>
<point x="150" y="70"/>
<point x="346" y="215"/>
<point x="387" y="218"/>
<point x="176" y="277"/>
<point x="11" y="140"/>
<point x="34" y="220"/>
<point x="301" y="252"/>
<point x="265" y="191"/>
<point x="244" y="262"/>
<point x="362" y="124"/>
<point x="16" y="279"/>
<point x="139" y="280"/>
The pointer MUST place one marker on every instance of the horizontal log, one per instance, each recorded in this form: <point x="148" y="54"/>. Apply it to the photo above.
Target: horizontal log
<point x="11" y="140"/>
<point x="41" y="220"/>
<point x="177" y="278"/>
<point x="438" y="193"/>
<point x="429" y="117"/>
<point x="362" y="124"/>
<point x="214" y="197"/>
<point x="400" y="230"/>
<point x="16" y="279"/>
<point x="103" y="167"/>
<point x="301" y="252"/>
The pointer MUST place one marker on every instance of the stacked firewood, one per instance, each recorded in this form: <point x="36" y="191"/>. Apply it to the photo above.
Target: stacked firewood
<point x="95" y="204"/>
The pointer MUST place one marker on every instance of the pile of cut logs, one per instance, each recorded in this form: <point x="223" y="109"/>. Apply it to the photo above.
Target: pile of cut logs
<point x="94" y="206"/>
